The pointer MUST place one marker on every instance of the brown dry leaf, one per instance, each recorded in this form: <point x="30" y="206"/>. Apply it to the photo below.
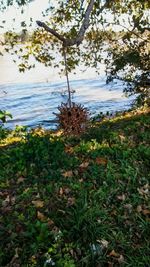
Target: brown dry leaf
<point x="6" y="201"/>
<point x="84" y="164"/>
<point x="128" y="207"/>
<point x="114" y="254"/>
<point x="50" y="222"/>
<point x="20" y="180"/>
<point x="61" y="191"/>
<point x="121" y="259"/>
<point x="13" y="200"/>
<point x="67" y="174"/>
<point x="69" y="149"/>
<point x="113" y="212"/>
<point x="139" y="208"/>
<point x="67" y="191"/>
<point x="144" y="191"/>
<point x="38" y="203"/>
<point x="146" y="212"/>
<point x="101" y="161"/>
<point x="71" y="201"/>
<point x="146" y="186"/>
<point x="122" y="137"/>
<point x="121" y="197"/>
<point x="55" y="230"/>
<point x="41" y="216"/>
<point x="76" y="172"/>
<point x="71" y="252"/>
<point x="103" y="242"/>
<point x="26" y="190"/>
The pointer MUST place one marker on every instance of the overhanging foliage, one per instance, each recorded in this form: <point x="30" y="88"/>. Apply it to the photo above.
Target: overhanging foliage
<point x="118" y="29"/>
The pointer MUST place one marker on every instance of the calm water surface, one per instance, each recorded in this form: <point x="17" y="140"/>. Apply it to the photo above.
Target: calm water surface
<point x="33" y="97"/>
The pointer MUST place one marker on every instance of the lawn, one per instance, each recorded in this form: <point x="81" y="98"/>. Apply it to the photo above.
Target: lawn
<point x="76" y="201"/>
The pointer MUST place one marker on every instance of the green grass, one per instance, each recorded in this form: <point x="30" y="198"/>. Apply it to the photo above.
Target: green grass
<point x="76" y="201"/>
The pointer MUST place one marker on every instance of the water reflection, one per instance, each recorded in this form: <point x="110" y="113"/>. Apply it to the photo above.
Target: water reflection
<point x="33" y="97"/>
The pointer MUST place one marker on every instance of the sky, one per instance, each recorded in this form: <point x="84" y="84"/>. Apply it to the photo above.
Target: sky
<point x="34" y="10"/>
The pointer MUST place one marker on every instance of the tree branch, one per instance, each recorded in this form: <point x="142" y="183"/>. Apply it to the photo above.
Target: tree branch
<point x="48" y="29"/>
<point x="85" y="24"/>
<point x="78" y="40"/>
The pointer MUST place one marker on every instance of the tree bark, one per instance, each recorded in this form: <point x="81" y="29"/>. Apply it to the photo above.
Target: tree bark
<point x="85" y="24"/>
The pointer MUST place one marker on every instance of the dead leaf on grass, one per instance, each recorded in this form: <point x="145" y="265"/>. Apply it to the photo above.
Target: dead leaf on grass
<point x="41" y="216"/>
<point x="38" y="203"/>
<point x="71" y="201"/>
<point x="146" y="212"/>
<point x="76" y="172"/>
<point x="67" y="174"/>
<point x="50" y="222"/>
<point x="144" y="190"/>
<point x="121" y="259"/>
<point x="6" y="201"/>
<point x="12" y="200"/>
<point x="26" y="190"/>
<point x="84" y="164"/>
<point x="61" y="191"/>
<point x="101" y="161"/>
<point x="121" y="197"/>
<point x="128" y="207"/>
<point x="69" y="149"/>
<point x="122" y="137"/>
<point x="103" y="242"/>
<point x="113" y="212"/>
<point x="139" y="208"/>
<point x="113" y="253"/>
<point x="67" y="190"/>
<point x="20" y="180"/>
<point x="56" y="230"/>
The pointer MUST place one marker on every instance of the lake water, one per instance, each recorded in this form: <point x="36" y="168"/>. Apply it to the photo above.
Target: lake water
<point x="33" y="97"/>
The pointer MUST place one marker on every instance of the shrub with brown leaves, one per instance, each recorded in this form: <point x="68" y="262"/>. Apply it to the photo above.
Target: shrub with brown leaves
<point x="72" y="120"/>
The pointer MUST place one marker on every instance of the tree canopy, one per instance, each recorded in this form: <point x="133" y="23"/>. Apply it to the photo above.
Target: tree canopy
<point x="6" y="3"/>
<point x="112" y="32"/>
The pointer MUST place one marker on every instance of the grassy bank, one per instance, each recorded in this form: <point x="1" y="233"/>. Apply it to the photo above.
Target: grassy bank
<point x="77" y="201"/>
